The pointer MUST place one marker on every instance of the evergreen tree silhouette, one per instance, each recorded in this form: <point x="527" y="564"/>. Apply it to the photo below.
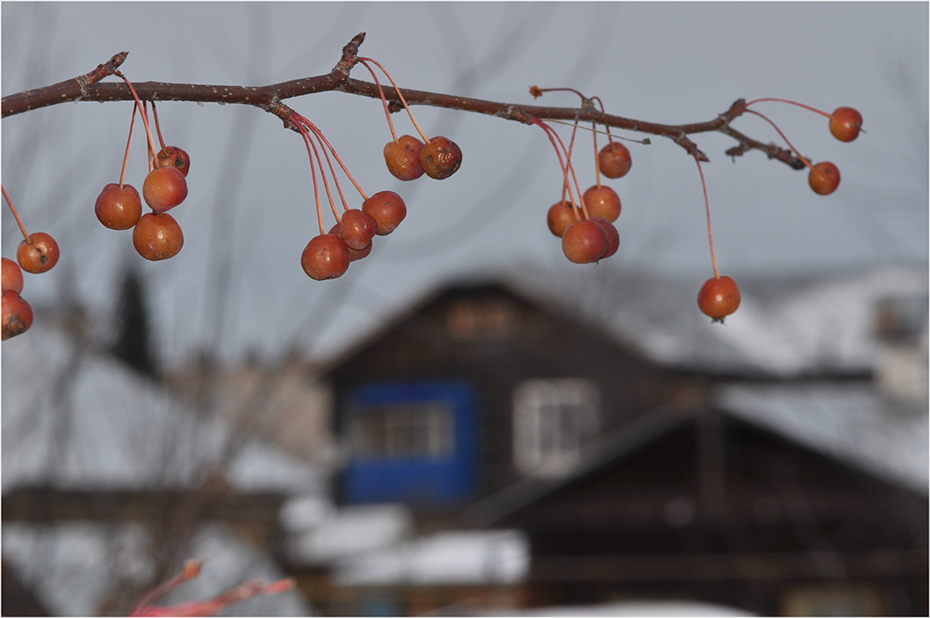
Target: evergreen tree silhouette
<point x="133" y="340"/>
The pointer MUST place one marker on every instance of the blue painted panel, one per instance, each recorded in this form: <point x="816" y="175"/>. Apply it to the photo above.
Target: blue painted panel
<point x="412" y="442"/>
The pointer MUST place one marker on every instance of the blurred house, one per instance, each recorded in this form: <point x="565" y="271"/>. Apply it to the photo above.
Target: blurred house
<point x="777" y="463"/>
<point x="110" y="481"/>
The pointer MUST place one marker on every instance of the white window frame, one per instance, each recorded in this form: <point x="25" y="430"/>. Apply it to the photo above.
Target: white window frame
<point x="553" y="420"/>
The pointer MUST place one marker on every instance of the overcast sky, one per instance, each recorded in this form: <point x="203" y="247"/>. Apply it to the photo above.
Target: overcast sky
<point x="250" y="213"/>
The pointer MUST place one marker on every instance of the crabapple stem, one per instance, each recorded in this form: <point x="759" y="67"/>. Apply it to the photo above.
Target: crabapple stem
<point x="597" y="168"/>
<point x="19" y="221"/>
<point x="566" y="166"/>
<point x="122" y="173"/>
<point x="157" y="126"/>
<point x="387" y="112"/>
<point x="399" y="94"/>
<point x="808" y="107"/>
<point x="783" y="136"/>
<point x="332" y="170"/>
<point x="145" y="118"/>
<point x="645" y="141"/>
<point x="313" y="152"/>
<point x="295" y="117"/>
<point x="710" y="232"/>
<point x="190" y="571"/>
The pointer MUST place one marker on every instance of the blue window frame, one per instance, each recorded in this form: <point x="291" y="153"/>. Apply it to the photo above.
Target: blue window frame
<point x="412" y="442"/>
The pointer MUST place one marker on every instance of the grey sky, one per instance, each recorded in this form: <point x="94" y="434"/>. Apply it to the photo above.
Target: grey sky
<point x="250" y="213"/>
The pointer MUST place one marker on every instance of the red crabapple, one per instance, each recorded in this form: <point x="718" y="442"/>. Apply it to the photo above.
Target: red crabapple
<point x="584" y="242"/>
<point x="613" y="236"/>
<point x="12" y="276"/>
<point x="824" y="178"/>
<point x="325" y="257"/>
<point x="357" y="228"/>
<point x="16" y="315"/>
<point x="164" y="188"/>
<point x="174" y="157"/>
<point x="719" y="297"/>
<point x="614" y="160"/>
<point x="403" y="157"/>
<point x="440" y="158"/>
<point x="602" y="201"/>
<point x="157" y="236"/>
<point x="39" y="254"/>
<point x="845" y="124"/>
<point x="559" y="217"/>
<point x="354" y="254"/>
<point x="118" y="208"/>
<point x="387" y="209"/>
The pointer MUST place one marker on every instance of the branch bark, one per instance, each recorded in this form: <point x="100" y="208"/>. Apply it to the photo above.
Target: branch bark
<point x="269" y="98"/>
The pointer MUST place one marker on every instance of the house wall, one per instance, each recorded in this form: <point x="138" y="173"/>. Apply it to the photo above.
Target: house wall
<point x="493" y="340"/>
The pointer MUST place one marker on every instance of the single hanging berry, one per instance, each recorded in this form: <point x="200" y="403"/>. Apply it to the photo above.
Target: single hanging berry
<point x="157" y="236"/>
<point x="719" y="297"/>
<point x="824" y="178"/>
<point x="440" y="158"/>
<point x="39" y="254"/>
<point x="387" y="209"/>
<point x="118" y="208"/>
<point x="614" y="160"/>
<point x="325" y="257"/>
<point x="559" y="217"/>
<point x="845" y="124"/>
<point x="16" y="315"/>
<point x="164" y="188"/>
<point x="403" y="157"/>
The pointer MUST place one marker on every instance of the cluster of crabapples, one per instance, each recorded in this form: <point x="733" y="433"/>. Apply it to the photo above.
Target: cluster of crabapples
<point x="720" y="296"/>
<point x="583" y="220"/>
<point x="156" y="235"/>
<point x="37" y="253"/>
<point x="328" y="254"/>
<point x="586" y="225"/>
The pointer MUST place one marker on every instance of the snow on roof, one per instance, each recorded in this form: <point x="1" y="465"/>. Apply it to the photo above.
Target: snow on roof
<point x="457" y="558"/>
<point x="74" y="418"/>
<point x="852" y="423"/>
<point x="72" y="565"/>
<point x="785" y="325"/>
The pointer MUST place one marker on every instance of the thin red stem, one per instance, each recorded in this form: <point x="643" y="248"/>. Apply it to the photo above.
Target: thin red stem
<point x="132" y="122"/>
<point x="387" y="112"/>
<point x="783" y="136"/>
<point x="399" y="94"/>
<point x="297" y="119"/>
<point x="808" y="107"/>
<point x="190" y="571"/>
<point x="597" y="167"/>
<point x="158" y="126"/>
<point x="316" y="189"/>
<point x="710" y="232"/>
<point x="566" y="166"/>
<point x="145" y="117"/>
<point x="19" y="221"/>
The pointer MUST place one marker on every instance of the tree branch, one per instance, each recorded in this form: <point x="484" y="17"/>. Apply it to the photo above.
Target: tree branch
<point x="270" y="97"/>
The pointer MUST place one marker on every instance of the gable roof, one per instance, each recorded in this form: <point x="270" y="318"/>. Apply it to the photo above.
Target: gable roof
<point x="786" y="326"/>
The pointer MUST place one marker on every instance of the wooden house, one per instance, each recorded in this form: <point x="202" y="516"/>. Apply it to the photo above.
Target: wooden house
<point x="479" y="387"/>
<point x="779" y="484"/>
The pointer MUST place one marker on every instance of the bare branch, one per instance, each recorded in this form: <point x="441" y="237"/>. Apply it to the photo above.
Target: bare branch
<point x="269" y="98"/>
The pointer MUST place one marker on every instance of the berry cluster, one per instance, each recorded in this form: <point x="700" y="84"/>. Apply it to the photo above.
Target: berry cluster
<point x="37" y="253"/>
<point x="720" y="296"/>
<point x="586" y="226"/>
<point x="156" y="235"/>
<point x="329" y="254"/>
